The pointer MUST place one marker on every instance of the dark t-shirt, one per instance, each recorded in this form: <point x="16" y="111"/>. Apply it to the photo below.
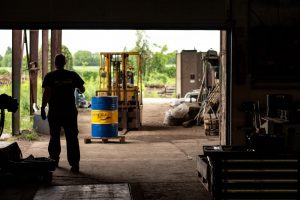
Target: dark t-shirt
<point x="62" y="84"/>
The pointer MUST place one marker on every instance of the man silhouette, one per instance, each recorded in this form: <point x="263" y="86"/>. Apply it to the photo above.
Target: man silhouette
<point x="59" y="87"/>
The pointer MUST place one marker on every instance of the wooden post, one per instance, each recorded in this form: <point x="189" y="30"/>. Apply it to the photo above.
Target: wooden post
<point x="33" y="67"/>
<point x="56" y="46"/>
<point x="16" y="76"/>
<point x="53" y="48"/>
<point x="59" y="41"/>
<point x="45" y="47"/>
<point x="224" y="93"/>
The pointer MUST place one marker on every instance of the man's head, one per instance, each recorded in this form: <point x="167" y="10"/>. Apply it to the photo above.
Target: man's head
<point x="60" y="61"/>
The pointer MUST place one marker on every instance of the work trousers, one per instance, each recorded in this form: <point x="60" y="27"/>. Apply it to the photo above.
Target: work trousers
<point x="67" y="120"/>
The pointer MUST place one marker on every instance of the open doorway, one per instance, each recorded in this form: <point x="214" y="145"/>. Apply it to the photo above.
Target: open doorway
<point x="160" y="50"/>
<point x="158" y="155"/>
<point x="163" y="66"/>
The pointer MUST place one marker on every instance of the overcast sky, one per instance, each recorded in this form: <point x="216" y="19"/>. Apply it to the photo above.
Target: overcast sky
<point x="116" y="40"/>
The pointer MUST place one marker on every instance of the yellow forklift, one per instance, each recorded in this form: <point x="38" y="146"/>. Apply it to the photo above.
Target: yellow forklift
<point x="121" y="75"/>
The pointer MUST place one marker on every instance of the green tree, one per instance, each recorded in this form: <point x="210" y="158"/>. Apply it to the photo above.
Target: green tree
<point x="159" y="60"/>
<point x="81" y="57"/>
<point x="8" y="50"/>
<point x="1" y="58"/>
<point x="170" y="71"/>
<point x="156" y="65"/>
<point x="24" y="63"/>
<point x="172" y="58"/>
<point x="7" y="59"/>
<point x="142" y="45"/>
<point x="69" y="57"/>
<point x="64" y="50"/>
<point x="95" y="59"/>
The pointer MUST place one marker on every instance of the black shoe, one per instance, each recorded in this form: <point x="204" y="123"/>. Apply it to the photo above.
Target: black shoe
<point x="75" y="169"/>
<point x="56" y="161"/>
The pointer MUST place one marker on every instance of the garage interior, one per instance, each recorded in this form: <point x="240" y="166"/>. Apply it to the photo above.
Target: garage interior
<point x="260" y="45"/>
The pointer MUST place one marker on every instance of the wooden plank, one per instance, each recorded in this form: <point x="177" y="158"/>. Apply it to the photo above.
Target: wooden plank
<point x="120" y="138"/>
<point x="99" y="191"/>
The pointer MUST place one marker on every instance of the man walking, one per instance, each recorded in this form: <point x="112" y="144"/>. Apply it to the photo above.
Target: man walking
<point x="59" y="87"/>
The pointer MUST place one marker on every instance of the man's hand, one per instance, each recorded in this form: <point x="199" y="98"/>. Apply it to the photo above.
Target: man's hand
<point x="81" y="89"/>
<point x="43" y="113"/>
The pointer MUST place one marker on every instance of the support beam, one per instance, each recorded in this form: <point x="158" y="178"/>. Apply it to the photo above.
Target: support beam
<point x="45" y="50"/>
<point x="59" y="41"/>
<point x="16" y="76"/>
<point x="223" y="80"/>
<point x="56" y="46"/>
<point x="33" y="68"/>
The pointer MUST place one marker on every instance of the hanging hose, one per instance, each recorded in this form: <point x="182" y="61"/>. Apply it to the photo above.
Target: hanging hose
<point x="2" y="119"/>
<point x="28" y="67"/>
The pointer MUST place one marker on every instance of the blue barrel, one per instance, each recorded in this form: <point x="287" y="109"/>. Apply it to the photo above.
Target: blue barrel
<point x="104" y="116"/>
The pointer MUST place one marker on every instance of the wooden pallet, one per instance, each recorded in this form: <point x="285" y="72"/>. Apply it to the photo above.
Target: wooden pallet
<point x="203" y="181"/>
<point x="121" y="139"/>
<point x="203" y="170"/>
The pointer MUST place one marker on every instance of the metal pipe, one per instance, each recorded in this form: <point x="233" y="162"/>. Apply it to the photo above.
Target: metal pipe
<point x="118" y="79"/>
<point x="108" y="64"/>
<point x="100" y="75"/>
<point x="140" y="79"/>
<point x="34" y="48"/>
<point x="124" y="76"/>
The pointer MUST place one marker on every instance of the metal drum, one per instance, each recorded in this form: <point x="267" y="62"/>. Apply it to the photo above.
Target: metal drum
<point x="104" y="116"/>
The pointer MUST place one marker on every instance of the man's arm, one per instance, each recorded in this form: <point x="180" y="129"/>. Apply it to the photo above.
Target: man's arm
<point x="45" y="100"/>
<point x="78" y="83"/>
<point x="46" y="96"/>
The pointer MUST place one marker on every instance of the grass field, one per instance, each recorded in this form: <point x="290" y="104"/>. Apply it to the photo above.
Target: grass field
<point x="90" y="75"/>
<point x="86" y="68"/>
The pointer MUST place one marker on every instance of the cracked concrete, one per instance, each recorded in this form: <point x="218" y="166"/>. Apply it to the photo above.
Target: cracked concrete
<point x="158" y="162"/>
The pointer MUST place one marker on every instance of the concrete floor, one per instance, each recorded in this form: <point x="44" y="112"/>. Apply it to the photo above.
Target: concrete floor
<point x="158" y="162"/>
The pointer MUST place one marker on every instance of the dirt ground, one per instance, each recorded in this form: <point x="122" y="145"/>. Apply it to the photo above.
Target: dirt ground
<point x="153" y="113"/>
<point x="158" y="161"/>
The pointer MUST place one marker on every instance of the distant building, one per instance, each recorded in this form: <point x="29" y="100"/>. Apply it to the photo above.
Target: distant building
<point x="189" y="71"/>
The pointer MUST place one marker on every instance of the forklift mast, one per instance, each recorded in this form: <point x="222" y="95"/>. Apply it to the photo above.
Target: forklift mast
<point x="120" y="75"/>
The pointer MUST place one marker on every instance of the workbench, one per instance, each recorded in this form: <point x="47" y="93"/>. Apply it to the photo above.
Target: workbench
<point x="237" y="172"/>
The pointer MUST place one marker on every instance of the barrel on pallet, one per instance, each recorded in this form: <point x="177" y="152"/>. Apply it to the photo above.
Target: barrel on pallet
<point x="104" y="116"/>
